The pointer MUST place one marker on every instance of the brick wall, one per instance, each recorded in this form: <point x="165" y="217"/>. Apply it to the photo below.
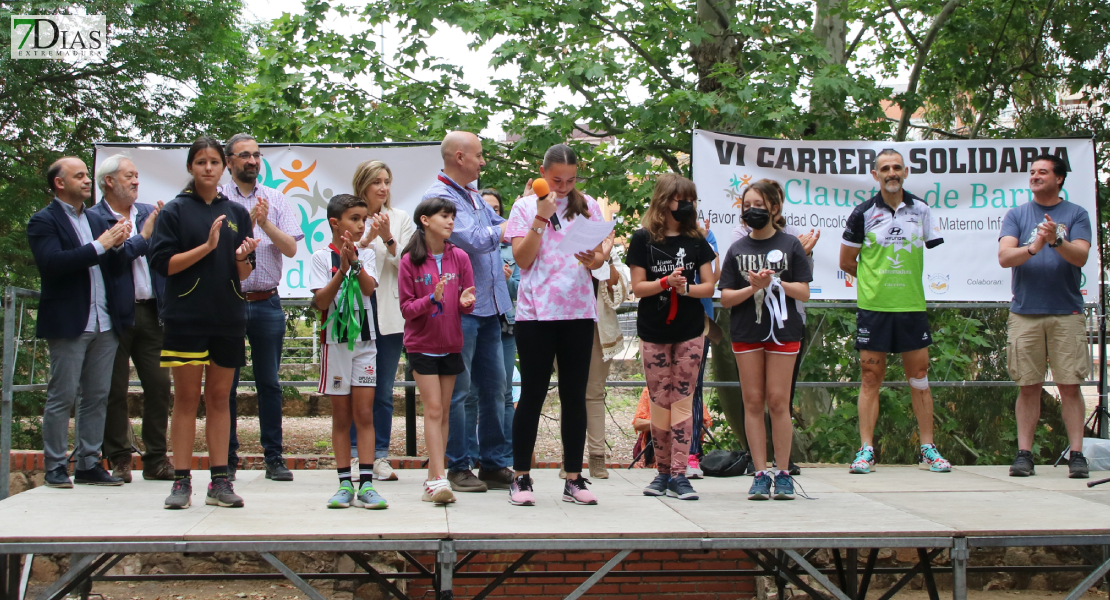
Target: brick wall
<point x="630" y="580"/>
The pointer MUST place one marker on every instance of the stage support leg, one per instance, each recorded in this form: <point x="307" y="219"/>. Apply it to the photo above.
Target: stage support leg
<point x="80" y="567"/>
<point x="596" y="577"/>
<point x="817" y="575"/>
<point x="867" y="571"/>
<point x="292" y="577"/>
<point x="524" y="558"/>
<point x="9" y="576"/>
<point x="1089" y="582"/>
<point x="445" y="570"/>
<point x="361" y="561"/>
<point x="853" y="581"/>
<point x="959" y="555"/>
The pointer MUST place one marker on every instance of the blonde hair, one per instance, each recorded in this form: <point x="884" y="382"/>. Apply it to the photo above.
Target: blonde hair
<point x="772" y="197"/>
<point x="365" y="173"/>
<point x="669" y="186"/>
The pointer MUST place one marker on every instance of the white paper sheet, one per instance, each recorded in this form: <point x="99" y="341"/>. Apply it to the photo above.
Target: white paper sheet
<point x="584" y="234"/>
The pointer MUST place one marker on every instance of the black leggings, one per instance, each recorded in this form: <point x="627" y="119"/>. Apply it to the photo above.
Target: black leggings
<point x="539" y="343"/>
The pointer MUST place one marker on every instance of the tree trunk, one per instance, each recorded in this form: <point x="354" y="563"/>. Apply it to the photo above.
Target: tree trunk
<point x="713" y="16"/>
<point x="829" y="25"/>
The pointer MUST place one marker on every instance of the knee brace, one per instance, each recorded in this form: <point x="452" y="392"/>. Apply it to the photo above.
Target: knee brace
<point x="920" y="384"/>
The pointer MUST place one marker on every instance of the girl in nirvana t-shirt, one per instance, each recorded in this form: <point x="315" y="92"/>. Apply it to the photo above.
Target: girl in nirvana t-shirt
<point x="764" y="278"/>
<point x="664" y="255"/>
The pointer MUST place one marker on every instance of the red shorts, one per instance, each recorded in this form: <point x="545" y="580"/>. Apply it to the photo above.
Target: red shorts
<point x="773" y="348"/>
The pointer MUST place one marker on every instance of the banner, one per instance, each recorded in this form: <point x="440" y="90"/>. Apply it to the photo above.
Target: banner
<point x="969" y="185"/>
<point x="308" y="176"/>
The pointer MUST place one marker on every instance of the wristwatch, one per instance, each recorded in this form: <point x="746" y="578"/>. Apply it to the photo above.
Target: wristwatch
<point x="1056" y="244"/>
<point x="538" y="230"/>
<point x="389" y="242"/>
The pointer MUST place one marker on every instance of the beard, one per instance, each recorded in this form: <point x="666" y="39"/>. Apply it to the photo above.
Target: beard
<point x="247" y="175"/>
<point x="892" y="186"/>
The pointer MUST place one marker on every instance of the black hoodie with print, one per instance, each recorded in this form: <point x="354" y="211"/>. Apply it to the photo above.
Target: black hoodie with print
<point x="204" y="299"/>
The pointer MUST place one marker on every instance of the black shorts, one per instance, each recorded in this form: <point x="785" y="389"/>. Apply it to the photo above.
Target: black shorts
<point x="423" y="364"/>
<point x="892" y="332"/>
<point x="223" y="351"/>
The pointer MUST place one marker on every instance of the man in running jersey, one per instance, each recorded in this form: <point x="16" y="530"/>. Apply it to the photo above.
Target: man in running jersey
<point x="883" y="247"/>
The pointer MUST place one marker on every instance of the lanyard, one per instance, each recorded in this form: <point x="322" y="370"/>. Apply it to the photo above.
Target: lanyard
<point x="458" y="188"/>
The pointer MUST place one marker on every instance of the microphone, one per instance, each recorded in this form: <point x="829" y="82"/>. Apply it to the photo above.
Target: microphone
<point x="542" y="189"/>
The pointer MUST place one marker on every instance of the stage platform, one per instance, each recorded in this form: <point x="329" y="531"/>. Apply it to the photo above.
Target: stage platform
<point x="894" y="507"/>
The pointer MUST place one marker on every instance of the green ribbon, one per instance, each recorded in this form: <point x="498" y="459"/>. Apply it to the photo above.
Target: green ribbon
<point x="349" y="310"/>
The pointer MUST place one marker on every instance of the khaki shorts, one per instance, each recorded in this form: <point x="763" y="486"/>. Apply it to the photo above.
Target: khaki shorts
<point x="1036" y="341"/>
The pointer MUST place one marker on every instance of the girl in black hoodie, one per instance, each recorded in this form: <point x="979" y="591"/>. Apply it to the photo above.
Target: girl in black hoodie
<point x="201" y="245"/>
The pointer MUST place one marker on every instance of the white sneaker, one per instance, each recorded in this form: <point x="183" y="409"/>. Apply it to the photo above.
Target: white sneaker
<point x="438" y="490"/>
<point x="383" y="471"/>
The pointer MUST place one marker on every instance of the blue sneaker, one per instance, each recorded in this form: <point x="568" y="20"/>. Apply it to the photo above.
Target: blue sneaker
<point x="368" y="497"/>
<point x="761" y="487"/>
<point x="658" y="486"/>
<point x="931" y="457"/>
<point x="784" y="486"/>
<point x="679" y="487"/>
<point x="865" y="461"/>
<point x="343" y="498"/>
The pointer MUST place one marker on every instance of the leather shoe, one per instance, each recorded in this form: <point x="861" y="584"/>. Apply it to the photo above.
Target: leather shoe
<point x="58" y="477"/>
<point x="95" y="476"/>
<point x="278" y="471"/>
<point x="163" y="471"/>
<point x="122" y="470"/>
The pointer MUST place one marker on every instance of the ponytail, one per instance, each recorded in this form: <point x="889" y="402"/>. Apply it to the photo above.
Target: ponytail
<point x="417" y="248"/>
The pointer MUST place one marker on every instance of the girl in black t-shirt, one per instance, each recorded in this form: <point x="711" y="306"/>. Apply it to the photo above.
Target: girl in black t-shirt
<point x="764" y="277"/>
<point x="663" y="256"/>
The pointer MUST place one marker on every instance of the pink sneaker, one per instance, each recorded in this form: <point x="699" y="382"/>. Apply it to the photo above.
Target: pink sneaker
<point x="693" y="468"/>
<point x="575" y="491"/>
<point x="520" y="491"/>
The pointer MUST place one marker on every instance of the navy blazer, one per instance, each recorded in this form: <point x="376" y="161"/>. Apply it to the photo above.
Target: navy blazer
<point x="63" y="263"/>
<point x="133" y="248"/>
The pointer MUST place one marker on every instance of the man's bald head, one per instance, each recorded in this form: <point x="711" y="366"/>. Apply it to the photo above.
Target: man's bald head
<point x="68" y="178"/>
<point x="462" y="156"/>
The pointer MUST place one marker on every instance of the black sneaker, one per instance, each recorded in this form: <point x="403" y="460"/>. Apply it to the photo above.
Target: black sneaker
<point x="679" y="487"/>
<point x="658" y="486"/>
<point x="1023" y="464"/>
<point x="277" y="471"/>
<point x="181" y="494"/>
<point x="221" y="493"/>
<point x="95" y="476"/>
<point x="1077" y="466"/>
<point x="58" y="477"/>
<point x="500" y="479"/>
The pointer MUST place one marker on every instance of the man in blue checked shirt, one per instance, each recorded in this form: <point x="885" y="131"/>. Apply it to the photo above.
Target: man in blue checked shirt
<point x="478" y="231"/>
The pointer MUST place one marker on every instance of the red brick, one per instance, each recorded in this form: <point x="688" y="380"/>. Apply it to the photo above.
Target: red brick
<point x="681" y="566"/>
<point x="585" y="556"/>
<point x="546" y="558"/>
<point x="521" y="590"/>
<point x="604" y="588"/>
<point x="567" y="566"/>
<point x="639" y="588"/>
<point x="597" y="565"/>
<point x="642" y="566"/>
<point x="708" y="565"/>
<point x="698" y="596"/>
<point x="15" y="464"/>
<point x="662" y="556"/>
<point x="717" y="586"/>
<point x="676" y="587"/>
<point x="562" y="589"/>
<point x="40" y="462"/>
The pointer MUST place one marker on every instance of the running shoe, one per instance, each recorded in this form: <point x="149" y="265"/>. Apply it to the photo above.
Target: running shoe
<point x="693" y="468"/>
<point x="658" y="486"/>
<point x="575" y="491"/>
<point x="438" y="490"/>
<point x="761" y="487"/>
<point x="520" y="491"/>
<point x="383" y="471"/>
<point x="342" y="498"/>
<point x="1023" y="464"/>
<point x="784" y="486"/>
<point x="931" y="456"/>
<point x="181" y="494"/>
<point x="1077" y="466"/>
<point x="679" y="487"/>
<point x="221" y="493"/>
<point x="369" y="498"/>
<point x="865" y="461"/>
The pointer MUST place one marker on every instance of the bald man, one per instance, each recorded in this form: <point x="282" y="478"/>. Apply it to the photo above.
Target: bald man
<point x="75" y="251"/>
<point x="478" y="231"/>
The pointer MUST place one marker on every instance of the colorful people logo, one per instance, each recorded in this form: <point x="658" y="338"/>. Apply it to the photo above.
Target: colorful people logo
<point x="270" y="181"/>
<point x="733" y="191"/>
<point x="297" y="177"/>
<point x="316" y="202"/>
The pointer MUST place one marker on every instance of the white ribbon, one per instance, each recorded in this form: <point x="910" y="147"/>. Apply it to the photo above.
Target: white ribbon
<point x="776" y="306"/>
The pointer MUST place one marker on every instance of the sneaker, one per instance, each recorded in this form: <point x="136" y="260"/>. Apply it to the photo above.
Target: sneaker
<point x="562" y="473"/>
<point x="520" y="491"/>
<point x="784" y="486"/>
<point x="181" y="494"/>
<point x="221" y="493"/>
<point x="1077" y="466"/>
<point x="95" y="476"/>
<point x="575" y="491"/>
<point x="1023" y="464"/>
<point x="122" y="470"/>
<point x="658" y="486"/>
<point x="931" y="456"/>
<point x="598" y="469"/>
<point x="438" y="490"/>
<point x="163" y="471"/>
<point x="342" y="498"/>
<point x="369" y="498"/>
<point x="500" y="479"/>
<point x="693" y="468"/>
<point x="865" y="461"/>
<point x="383" y="471"/>
<point x="58" y="477"/>
<point x="278" y="471"/>
<point x="465" y="481"/>
<point x="679" y="487"/>
<point x="761" y="487"/>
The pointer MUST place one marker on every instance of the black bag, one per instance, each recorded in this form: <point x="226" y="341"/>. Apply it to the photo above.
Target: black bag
<point x="725" y="463"/>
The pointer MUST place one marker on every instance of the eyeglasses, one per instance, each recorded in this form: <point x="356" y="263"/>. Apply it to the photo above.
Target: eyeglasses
<point x="248" y="155"/>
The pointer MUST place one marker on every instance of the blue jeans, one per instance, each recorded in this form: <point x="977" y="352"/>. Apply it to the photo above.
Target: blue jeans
<point x="389" y="356"/>
<point x="482" y="358"/>
<point x="508" y="352"/>
<point x="266" y="332"/>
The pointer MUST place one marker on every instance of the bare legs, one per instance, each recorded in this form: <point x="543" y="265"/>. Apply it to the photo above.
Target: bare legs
<point x="765" y="382"/>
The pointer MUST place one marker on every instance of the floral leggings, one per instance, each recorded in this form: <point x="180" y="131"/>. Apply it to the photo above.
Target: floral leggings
<point x="671" y="371"/>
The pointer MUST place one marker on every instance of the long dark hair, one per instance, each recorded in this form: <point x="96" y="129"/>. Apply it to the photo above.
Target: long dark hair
<point x="562" y="154"/>
<point x="417" y="248"/>
<point x="201" y="143"/>
<point x="669" y="186"/>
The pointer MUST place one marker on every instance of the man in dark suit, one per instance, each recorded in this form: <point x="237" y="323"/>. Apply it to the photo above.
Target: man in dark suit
<point x="73" y="252"/>
<point x="138" y="291"/>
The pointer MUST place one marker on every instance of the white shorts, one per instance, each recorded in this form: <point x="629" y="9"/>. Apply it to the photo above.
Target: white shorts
<point x="343" y="368"/>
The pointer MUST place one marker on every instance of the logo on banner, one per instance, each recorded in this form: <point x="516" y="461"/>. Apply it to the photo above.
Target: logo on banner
<point x="58" y="37"/>
<point x="297" y="176"/>
<point x="938" y="282"/>
<point x="849" y="281"/>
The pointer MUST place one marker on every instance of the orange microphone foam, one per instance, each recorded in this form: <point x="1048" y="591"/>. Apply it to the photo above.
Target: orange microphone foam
<point x="541" y="188"/>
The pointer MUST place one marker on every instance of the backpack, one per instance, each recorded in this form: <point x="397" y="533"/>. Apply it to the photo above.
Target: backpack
<point x="725" y="463"/>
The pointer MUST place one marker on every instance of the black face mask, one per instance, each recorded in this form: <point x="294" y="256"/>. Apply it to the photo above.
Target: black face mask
<point x="756" y="218"/>
<point x="685" y="212"/>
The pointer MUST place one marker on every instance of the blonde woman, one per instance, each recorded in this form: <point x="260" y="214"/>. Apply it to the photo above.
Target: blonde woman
<point x="372" y="182"/>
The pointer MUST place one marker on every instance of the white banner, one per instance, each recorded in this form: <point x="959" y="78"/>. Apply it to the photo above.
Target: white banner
<point x="969" y="185"/>
<point x="308" y="176"/>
